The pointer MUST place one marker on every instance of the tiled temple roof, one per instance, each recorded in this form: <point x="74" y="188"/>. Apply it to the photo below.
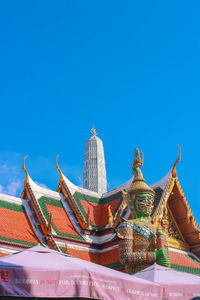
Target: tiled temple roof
<point x="15" y="228"/>
<point x="61" y="224"/>
<point x="60" y="217"/>
<point x="184" y="261"/>
<point x="98" y="208"/>
<point x="105" y="258"/>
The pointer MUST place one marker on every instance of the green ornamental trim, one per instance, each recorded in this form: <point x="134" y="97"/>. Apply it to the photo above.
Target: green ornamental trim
<point x="12" y="206"/>
<point x="15" y="241"/>
<point x="81" y="196"/>
<point x="115" y="266"/>
<point x="99" y="201"/>
<point x="185" y="269"/>
<point x="62" y="249"/>
<point x="17" y="208"/>
<point x="78" y="196"/>
<point x="57" y="203"/>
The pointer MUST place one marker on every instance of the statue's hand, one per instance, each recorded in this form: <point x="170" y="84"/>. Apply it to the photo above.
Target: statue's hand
<point x="162" y="258"/>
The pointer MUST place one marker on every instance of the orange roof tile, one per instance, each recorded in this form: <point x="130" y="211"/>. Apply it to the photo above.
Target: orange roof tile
<point x="177" y="258"/>
<point x="61" y="219"/>
<point x="109" y="257"/>
<point x="104" y="258"/>
<point x="15" y="225"/>
<point x="89" y="256"/>
<point x="99" y="212"/>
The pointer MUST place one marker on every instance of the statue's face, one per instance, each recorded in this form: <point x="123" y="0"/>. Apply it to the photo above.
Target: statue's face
<point x="143" y="204"/>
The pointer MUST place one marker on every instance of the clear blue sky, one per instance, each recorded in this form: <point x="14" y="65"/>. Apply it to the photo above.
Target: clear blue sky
<point x="132" y="68"/>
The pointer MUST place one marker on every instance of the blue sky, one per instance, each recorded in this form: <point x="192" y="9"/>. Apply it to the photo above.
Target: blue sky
<point x="132" y="68"/>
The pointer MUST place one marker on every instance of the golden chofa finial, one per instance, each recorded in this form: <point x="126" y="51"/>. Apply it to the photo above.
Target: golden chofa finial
<point x="93" y="131"/>
<point x="110" y="217"/>
<point x="49" y="226"/>
<point x="24" y="169"/>
<point x="57" y="167"/>
<point x="88" y="218"/>
<point x="66" y="249"/>
<point x="174" y="172"/>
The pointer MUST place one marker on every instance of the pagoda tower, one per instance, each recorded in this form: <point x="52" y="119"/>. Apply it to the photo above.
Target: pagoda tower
<point x="94" y="174"/>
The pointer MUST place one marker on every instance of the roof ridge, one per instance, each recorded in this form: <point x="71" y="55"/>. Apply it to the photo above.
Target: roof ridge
<point x="10" y="198"/>
<point x="75" y="188"/>
<point x="44" y="190"/>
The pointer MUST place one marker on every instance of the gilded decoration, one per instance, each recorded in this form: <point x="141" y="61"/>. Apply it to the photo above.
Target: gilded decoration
<point x="25" y="170"/>
<point x="174" y="172"/>
<point x="140" y="242"/>
<point x="114" y="221"/>
<point x="173" y="234"/>
<point x="57" y="167"/>
<point x="172" y="230"/>
<point x="170" y="185"/>
<point x="84" y="222"/>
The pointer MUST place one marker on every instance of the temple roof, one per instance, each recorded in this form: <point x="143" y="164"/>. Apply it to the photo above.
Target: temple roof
<point x="184" y="261"/>
<point x="98" y="208"/>
<point x="15" y="226"/>
<point x="78" y="218"/>
<point x="74" y="188"/>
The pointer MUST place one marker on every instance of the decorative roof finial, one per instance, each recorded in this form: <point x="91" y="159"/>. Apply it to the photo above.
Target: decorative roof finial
<point x="24" y="169"/>
<point x="66" y="249"/>
<point x="93" y="131"/>
<point x="174" y="172"/>
<point x="137" y="164"/>
<point x="110" y="216"/>
<point x="57" y="167"/>
<point x="88" y="217"/>
<point x="49" y="226"/>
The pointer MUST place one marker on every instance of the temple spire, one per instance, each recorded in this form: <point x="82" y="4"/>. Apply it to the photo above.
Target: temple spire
<point x="94" y="174"/>
<point x="93" y="130"/>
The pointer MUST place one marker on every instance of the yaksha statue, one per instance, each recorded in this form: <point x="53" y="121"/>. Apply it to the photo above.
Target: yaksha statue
<point x="140" y="242"/>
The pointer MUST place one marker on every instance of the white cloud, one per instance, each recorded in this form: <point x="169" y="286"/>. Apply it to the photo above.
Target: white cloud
<point x="6" y="169"/>
<point x="11" y="174"/>
<point x="12" y="188"/>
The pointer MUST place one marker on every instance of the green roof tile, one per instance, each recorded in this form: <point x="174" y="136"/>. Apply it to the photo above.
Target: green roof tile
<point x="42" y="202"/>
<point x="185" y="269"/>
<point x="115" y="266"/>
<point x="78" y="196"/>
<point x="15" y="241"/>
<point x="12" y="206"/>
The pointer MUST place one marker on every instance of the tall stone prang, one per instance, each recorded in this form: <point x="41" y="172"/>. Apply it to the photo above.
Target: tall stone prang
<point x="94" y="174"/>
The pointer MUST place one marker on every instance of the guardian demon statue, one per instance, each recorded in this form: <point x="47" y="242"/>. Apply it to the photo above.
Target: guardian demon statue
<point x="140" y="242"/>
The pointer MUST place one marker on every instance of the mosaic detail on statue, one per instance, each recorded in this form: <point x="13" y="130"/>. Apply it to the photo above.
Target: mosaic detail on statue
<point x="143" y="230"/>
